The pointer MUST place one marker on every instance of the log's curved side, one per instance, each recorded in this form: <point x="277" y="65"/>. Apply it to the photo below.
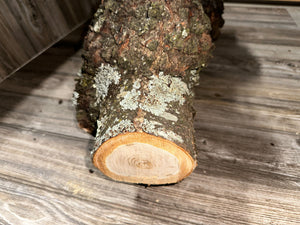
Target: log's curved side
<point x="143" y="158"/>
<point x="135" y="91"/>
<point x="145" y="128"/>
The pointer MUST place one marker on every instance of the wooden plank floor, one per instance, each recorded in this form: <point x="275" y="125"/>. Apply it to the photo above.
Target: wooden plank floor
<point x="247" y="133"/>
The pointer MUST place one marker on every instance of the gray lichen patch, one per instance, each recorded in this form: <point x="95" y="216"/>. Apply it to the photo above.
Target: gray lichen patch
<point x="106" y="131"/>
<point x="150" y="126"/>
<point x="137" y="84"/>
<point x="79" y="73"/>
<point x="157" y="129"/>
<point x="163" y="90"/>
<point x="105" y="76"/>
<point x="75" y="97"/>
<point x="169" y="135"/>
<point x="184" y="33"/>
<point x="194" y="78"/>
<point x="98" y="21"/>
<point x="169" y="116"/>
<point x="131" y="98"/>
<point x="98" y="24"/>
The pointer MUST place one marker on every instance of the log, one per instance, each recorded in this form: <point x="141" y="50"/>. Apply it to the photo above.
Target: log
<point x="142" y="60"/>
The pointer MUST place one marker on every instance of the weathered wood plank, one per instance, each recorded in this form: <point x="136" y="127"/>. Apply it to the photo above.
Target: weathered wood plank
<point x="261" y="17"/>
<point x="41" y="161"/>
<point x="29" y="27"/>
<point x="40" y="113"/>
<point x="29" y="204"/>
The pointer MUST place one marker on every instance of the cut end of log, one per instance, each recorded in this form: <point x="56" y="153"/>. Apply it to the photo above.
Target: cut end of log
<point x="143" y="158"/>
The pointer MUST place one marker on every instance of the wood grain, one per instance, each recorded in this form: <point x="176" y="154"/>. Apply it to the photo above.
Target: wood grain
<point x="29" y="27"/>
<point x="247" y="135"/>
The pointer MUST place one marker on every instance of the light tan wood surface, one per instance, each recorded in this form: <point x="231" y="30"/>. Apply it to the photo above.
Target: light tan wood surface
<point x="247" y="136"/>
<point x="143" y="158"/>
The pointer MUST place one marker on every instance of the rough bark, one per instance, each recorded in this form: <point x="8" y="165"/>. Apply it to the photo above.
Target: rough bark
<point x="142" y="59"/>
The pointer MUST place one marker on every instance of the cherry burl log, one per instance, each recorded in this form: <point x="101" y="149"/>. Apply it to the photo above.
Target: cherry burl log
<point x="135" y="91"/>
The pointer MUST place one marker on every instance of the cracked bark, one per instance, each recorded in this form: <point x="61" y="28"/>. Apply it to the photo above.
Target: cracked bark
<point x="135" y="91"/>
